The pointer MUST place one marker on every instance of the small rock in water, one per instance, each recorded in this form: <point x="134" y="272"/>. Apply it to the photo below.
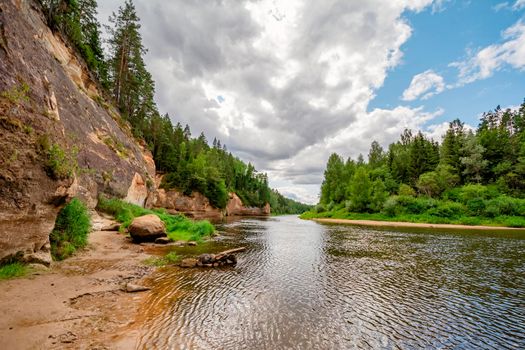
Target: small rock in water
<point x="162" y="240"/>
<point x="189" y="262"/>
<point x="133" y="288"/>
<point x="192" y="243"/>
<point x="207" y="258"/>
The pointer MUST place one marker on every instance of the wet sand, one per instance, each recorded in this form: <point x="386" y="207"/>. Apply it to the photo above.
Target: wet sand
<point x="413" y="224"/>
<point x="77" y="303"/>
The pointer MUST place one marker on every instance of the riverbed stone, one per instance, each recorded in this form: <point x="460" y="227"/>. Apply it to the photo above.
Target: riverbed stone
<point x="39" y="257"/>
<point x="134" y="288"/>
<point x="162" y="240"/>
<point x="192" y="243"/>
<point x="189" y="262"/>
<point x="115" y="226"/>
<point x="147" y="228"/>
<point x="207" y="258"/>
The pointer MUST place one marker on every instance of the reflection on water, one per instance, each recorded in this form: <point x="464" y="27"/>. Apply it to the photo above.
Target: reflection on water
<point x="303" y="285"/>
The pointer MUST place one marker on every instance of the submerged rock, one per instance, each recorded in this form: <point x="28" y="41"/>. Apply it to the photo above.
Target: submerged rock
<point x="133" y="288"/>
<point x="147" y="228"/>
<point x="206" y="258"/>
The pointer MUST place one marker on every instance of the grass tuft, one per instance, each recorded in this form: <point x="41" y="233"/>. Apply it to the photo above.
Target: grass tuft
<point x="60" y="163"/>
<point x="12" y="270"/>
<point x="71" y="230"/>
<point x="168" y="259"/>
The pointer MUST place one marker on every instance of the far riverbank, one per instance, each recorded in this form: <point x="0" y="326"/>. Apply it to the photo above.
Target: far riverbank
<point x="413" y="224"/>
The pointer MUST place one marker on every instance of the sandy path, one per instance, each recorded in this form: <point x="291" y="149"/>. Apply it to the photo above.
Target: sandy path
<point x="413" y="224"/>
<point x="77" y="304"/>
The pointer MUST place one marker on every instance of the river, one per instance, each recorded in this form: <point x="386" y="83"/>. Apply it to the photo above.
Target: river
<point x="304" y="285"/>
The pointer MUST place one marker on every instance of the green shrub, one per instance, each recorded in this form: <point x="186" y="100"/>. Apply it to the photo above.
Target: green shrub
<point x="452" y="194"/>
<point x="476" y="206"/>
<point x="61" y="164"/>
<point x="71" y="230"/>
<point x="473" y="191"/>
<point x="397" y="205"/>
<point x="512" y="221"/>
<point x="469" y="220"/>
<point x="319" y="208"/>
<point x="405" y="190"/>
<point x="18" y="93"/>
<point x="391" y="207"/>
<point x="217" y="193"/>
<point x="520" y="207"/>
<point x="412" y="205"/>
<point x="423" y="204"/>
<point x="378" y="196"/>
<point x="448" y="210"/>
<point x="503" y="205"/>
<point x="12" y="270"/>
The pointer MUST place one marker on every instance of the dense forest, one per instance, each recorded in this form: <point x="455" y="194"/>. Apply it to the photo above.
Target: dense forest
<point x="472" y="177"/>
<point x="190" y="164"/>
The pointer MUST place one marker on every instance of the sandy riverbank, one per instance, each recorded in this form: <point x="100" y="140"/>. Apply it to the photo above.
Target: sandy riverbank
<point x="412" y="224"/>
<point x="77" y="303"/>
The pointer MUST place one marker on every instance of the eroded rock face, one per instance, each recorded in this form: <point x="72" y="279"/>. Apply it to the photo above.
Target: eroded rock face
<point x="147" y="228"/>
<point x="48" y="97"/>
<point x="235" y="207"/>
<point x="138" y="191"/>
<point x="196" y="206"/>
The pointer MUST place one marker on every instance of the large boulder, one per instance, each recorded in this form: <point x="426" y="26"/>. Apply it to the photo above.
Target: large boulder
<point x="147" y="228"/>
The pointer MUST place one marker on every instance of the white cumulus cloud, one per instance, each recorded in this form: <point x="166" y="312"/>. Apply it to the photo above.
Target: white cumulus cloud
<point x="483" y="63"/>
<point x="424" y="85"/>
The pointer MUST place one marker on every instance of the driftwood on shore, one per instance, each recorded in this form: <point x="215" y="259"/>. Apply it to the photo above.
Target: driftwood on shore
<point x="223" y="258"/>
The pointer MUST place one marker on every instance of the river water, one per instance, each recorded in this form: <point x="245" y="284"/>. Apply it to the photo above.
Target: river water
<point x="304" y="285"/>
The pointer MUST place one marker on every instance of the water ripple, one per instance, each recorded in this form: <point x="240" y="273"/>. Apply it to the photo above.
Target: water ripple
<point x="303" y="285"/>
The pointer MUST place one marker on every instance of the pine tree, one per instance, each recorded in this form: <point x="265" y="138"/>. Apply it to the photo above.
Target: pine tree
<point x="453" y="142"/>
<point x="333" y="188"/>
<point x="77" y="19"/>
<point x="132" y="85"/>
<point x="376" y="155"/>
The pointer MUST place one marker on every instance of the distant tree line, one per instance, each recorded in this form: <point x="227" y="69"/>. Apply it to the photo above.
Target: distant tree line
<point x="471" y="173"/>
<point x="190" y="164"/>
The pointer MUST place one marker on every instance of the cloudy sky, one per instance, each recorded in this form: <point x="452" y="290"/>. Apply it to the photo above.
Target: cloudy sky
<point x="284" y="83"/>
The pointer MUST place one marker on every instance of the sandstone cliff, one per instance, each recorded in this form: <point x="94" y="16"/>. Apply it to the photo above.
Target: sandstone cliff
<point x="52" y="115"/>
<point x="199" y="207"/>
